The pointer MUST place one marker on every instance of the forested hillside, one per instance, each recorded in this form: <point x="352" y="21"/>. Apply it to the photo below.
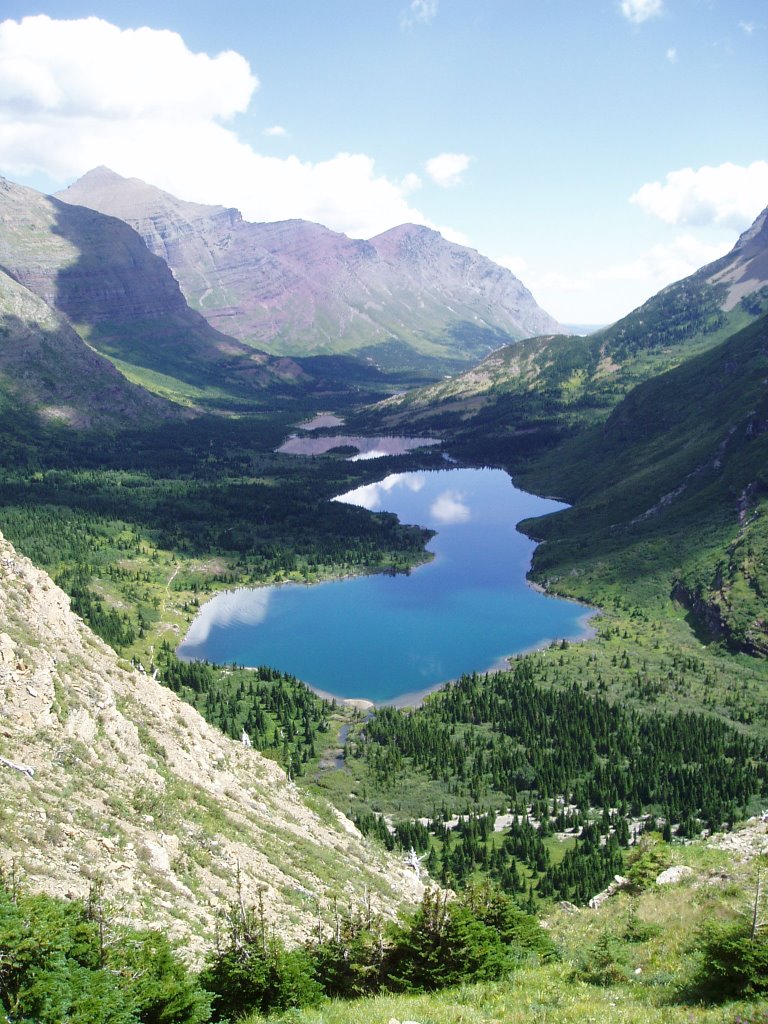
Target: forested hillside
<point x="526" y="398"/>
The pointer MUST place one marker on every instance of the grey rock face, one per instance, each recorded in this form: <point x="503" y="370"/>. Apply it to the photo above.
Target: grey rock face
<point x="299" y="288"/>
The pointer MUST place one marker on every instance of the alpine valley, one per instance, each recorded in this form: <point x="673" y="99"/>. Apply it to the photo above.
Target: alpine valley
<point x="578" y="831"/>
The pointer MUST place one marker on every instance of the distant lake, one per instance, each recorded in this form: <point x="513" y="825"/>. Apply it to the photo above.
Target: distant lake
<point x="367" y="447"/>
<point x="383" y="637"/>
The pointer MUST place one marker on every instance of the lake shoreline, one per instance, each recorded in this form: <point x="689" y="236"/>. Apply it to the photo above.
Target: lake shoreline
<point x="451" y="511"/>
<point x="415" y="698"/>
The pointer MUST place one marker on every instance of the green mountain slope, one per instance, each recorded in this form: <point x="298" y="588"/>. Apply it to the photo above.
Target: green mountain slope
<point x="528" y="396"/>
<point x="676" y="492"/>
<point x="48" y="372"/>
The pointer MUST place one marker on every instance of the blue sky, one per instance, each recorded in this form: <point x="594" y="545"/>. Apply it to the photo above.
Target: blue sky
<point x="600" y="149"/>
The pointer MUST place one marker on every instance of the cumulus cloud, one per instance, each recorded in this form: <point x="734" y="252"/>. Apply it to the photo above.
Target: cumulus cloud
<point x="276" y="130"/>
<point x="76" y="94"/>
<point x="728" y="196"/>
<point x="655" y="268"/>
<point x="666" y="262"/>
<point x="90" y="68"/>
<point x="638" y="11"/>
<point x="671" y="55"/>
<point x="410" y="183"/>
<point x="447" y="169"/>
<point x="418" y="12"/>
<point x="747" y="27"/>
<point x="621" y="287"/>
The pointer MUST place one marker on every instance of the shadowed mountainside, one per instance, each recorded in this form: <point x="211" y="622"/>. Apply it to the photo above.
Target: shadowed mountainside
<point x="96" y="272"/>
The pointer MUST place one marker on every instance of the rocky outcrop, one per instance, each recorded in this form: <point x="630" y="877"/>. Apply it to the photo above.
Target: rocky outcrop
<point x="107" y="776"/>
<point x="745" y="269"/>
<point x="298" y="288"/>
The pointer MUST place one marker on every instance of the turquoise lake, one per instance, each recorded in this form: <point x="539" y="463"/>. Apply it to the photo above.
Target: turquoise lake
<point x="385" y="637"/>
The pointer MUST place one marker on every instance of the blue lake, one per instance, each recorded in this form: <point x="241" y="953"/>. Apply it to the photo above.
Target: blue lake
<point x="385" y="637"/>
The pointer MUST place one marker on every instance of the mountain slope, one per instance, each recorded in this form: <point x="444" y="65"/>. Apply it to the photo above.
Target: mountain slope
<point x="97" y="273"/>
<point x="109" y="776"/>
<point x="528" y="395"/>
<point x="298" y="288"/>
<point x="46" y="369"/>
<point x="676" y="497"/>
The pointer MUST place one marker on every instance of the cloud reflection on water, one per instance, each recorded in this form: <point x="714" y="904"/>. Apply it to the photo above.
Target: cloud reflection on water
<point x="367" y="447"/>
<point x="450" y="507"/>
<point x="247" y="607"/>
<point x="371" y="496"/>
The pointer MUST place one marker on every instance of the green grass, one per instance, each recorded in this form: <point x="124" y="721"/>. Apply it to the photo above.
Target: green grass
<point x="651" y="943"/>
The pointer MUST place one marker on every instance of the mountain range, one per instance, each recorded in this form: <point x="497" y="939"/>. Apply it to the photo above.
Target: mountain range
<point x="93" y="277"/>
<point x="543" y="388"/>
<point x="405" y="297"/>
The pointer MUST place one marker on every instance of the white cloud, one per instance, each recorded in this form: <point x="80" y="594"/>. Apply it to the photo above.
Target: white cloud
<point x="671" y="55"/>
<point x="447" y="168"/>
<point x="728" y="196"/>
<point x="276" y="130"/>
<point x="452" y="235"/>
<point x="638" y="11"/>
<point x="76" y="94"/>
<point x="418" y="12"/>
<point x="747" y="27"/>
<point x="450" y="507"/>
<point x="517" y="264"/>
<point x="666" y="262"/>
<point x="604" y="294"/>
<point x="90" y="68"/>
<point x="410" y="183"/>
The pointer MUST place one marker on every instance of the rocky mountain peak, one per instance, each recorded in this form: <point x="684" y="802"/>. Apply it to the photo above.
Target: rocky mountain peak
<point x="298" y="288"/>
<point x="745" y="269"/>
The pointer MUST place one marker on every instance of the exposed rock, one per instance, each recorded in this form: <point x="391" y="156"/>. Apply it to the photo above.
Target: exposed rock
<point x="299" y="288"/>
<point x="132" y="787"/>
<point x="745" y="269"/>
<point x="619" y="882"/>
<point x="748" y="842"/>
<point x="674" y="875"/>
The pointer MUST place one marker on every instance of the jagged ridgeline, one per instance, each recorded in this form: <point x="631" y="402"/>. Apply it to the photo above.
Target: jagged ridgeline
<point x="406" y="299"/>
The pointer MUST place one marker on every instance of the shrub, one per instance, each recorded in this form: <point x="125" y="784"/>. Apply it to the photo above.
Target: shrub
<point x="734" y="963"/>
<point x="647" y="860"/>
<point x="66" y="961"/>
<point x="478" y="937"/>
<point x="261" y="977"/>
